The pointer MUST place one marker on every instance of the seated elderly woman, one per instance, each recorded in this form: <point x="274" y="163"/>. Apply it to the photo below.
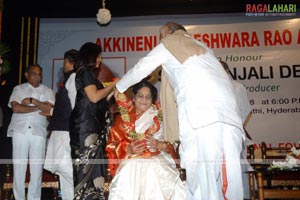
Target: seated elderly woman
<point x="141" y="163"/>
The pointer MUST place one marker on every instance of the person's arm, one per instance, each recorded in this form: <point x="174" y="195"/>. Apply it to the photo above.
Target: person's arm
<point x="47" y="113"/>
<point x="116" y="145"/>
<point x="71" y="87"/>
<point x="43" y="106"/>
<point x="161" y="146"/>
<point x="157" y="144"/>
<point x="144" y="67"/>
<point x="95" y="95"/>
<point x="21" y="108"/>
<point x="243" y="101"/>
<point x="136" y="147"/>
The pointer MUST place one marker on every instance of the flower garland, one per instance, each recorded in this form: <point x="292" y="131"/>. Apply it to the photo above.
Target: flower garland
<point x="292" y="160"/>
<point x="125" y="106"/>
<point x="103" y="15"/>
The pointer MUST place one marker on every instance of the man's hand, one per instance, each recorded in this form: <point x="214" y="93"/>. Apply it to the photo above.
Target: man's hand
<point x="46" y="113"/>
<point x="26" y="101"/>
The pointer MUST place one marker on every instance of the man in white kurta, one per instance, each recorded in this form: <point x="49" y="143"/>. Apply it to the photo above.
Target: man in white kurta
<point x="28" y="131"/>
<point x="58" y="156"/>
<point x="210" y="128"/>
<point x="245" y="111"/>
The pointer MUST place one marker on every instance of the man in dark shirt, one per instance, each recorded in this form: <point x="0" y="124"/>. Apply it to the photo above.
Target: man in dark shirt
<point x="58" y="157"/>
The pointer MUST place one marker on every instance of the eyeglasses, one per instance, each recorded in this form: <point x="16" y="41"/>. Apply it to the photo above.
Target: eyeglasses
<point x="141" y="96"/>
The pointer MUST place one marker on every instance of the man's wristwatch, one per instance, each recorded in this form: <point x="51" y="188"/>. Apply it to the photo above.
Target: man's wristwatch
<point x="30" y="100"/>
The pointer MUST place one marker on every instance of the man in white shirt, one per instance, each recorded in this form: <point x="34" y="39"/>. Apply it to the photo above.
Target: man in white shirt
<point x="210" y="128"/>
<point x="28" y="131"/>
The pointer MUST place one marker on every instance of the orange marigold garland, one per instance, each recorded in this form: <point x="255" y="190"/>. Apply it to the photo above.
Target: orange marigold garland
<point x="125" y="106"/>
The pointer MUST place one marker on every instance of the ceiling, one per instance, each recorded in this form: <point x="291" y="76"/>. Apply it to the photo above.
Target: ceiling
<point x="119" y="8"/>
<point x="14" y="10"/>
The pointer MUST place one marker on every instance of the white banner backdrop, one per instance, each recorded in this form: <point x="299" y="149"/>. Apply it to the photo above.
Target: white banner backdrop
<point x="262" y="53"/>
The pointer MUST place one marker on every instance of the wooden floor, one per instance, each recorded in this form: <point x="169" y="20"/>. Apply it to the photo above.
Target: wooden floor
<point x="47" y="193"/>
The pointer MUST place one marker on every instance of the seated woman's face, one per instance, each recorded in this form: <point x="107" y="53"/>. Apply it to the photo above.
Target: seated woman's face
<point x="142" y="100"/>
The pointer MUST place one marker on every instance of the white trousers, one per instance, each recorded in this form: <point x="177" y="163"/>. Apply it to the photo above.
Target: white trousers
<point x="33" y="147"/>
<point x="202" y="154"/>
<point x="58" y="160"/>
<point x="246" y="167"/>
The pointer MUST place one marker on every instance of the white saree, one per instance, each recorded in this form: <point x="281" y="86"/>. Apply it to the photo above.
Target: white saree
<point x="147" y="178"/>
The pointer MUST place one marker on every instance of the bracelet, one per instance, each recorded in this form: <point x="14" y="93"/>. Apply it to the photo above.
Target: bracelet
<point x="170" y="149"/>
<point x="168" y="145"/>
<point x="30" y="100"/>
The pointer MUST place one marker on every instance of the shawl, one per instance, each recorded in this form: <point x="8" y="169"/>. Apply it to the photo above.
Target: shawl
<point x="182" y="46"/>
<point x="169" y="110"/>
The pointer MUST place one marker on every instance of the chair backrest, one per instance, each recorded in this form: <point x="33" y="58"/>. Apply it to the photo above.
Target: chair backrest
<point x="275" y="153"/>
<point x="277" y="184"/>
<point x="250" y="152"/>
<point x="49" y="180"/>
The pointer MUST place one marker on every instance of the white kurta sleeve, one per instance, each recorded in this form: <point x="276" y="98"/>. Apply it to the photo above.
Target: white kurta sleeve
<point x="144" y="67"/>
<point x="71" y="87"/>
<point x="15" y="96"/>
<point x="242" y="100"/>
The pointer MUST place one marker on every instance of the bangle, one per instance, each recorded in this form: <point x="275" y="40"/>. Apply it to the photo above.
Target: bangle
<point x="166" y="146"/>
<point x="30" y="100"/>
<point x="170" y="150"/>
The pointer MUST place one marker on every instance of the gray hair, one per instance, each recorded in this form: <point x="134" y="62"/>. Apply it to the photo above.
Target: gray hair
<point x="172" y="26"/>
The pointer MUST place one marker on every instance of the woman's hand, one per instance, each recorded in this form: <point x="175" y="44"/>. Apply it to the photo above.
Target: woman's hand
<point x="116" y="79"/>
<point x="136" y="147"/>
<point x="109" y="95"/>
<point x="116" y="93"/>
<point x="152" y="143"/>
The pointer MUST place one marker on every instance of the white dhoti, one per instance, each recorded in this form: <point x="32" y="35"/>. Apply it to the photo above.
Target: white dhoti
<point x="147" y="179"/>
<point x="246" y="167"/>
<point x="58" y="160"/>
<point x="202" y="152"/>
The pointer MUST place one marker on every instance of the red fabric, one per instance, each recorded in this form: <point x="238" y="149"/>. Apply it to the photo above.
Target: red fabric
<point x="224" y="179"/>
<point x="124" y="127"/>
<point x="118" y="141"/>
